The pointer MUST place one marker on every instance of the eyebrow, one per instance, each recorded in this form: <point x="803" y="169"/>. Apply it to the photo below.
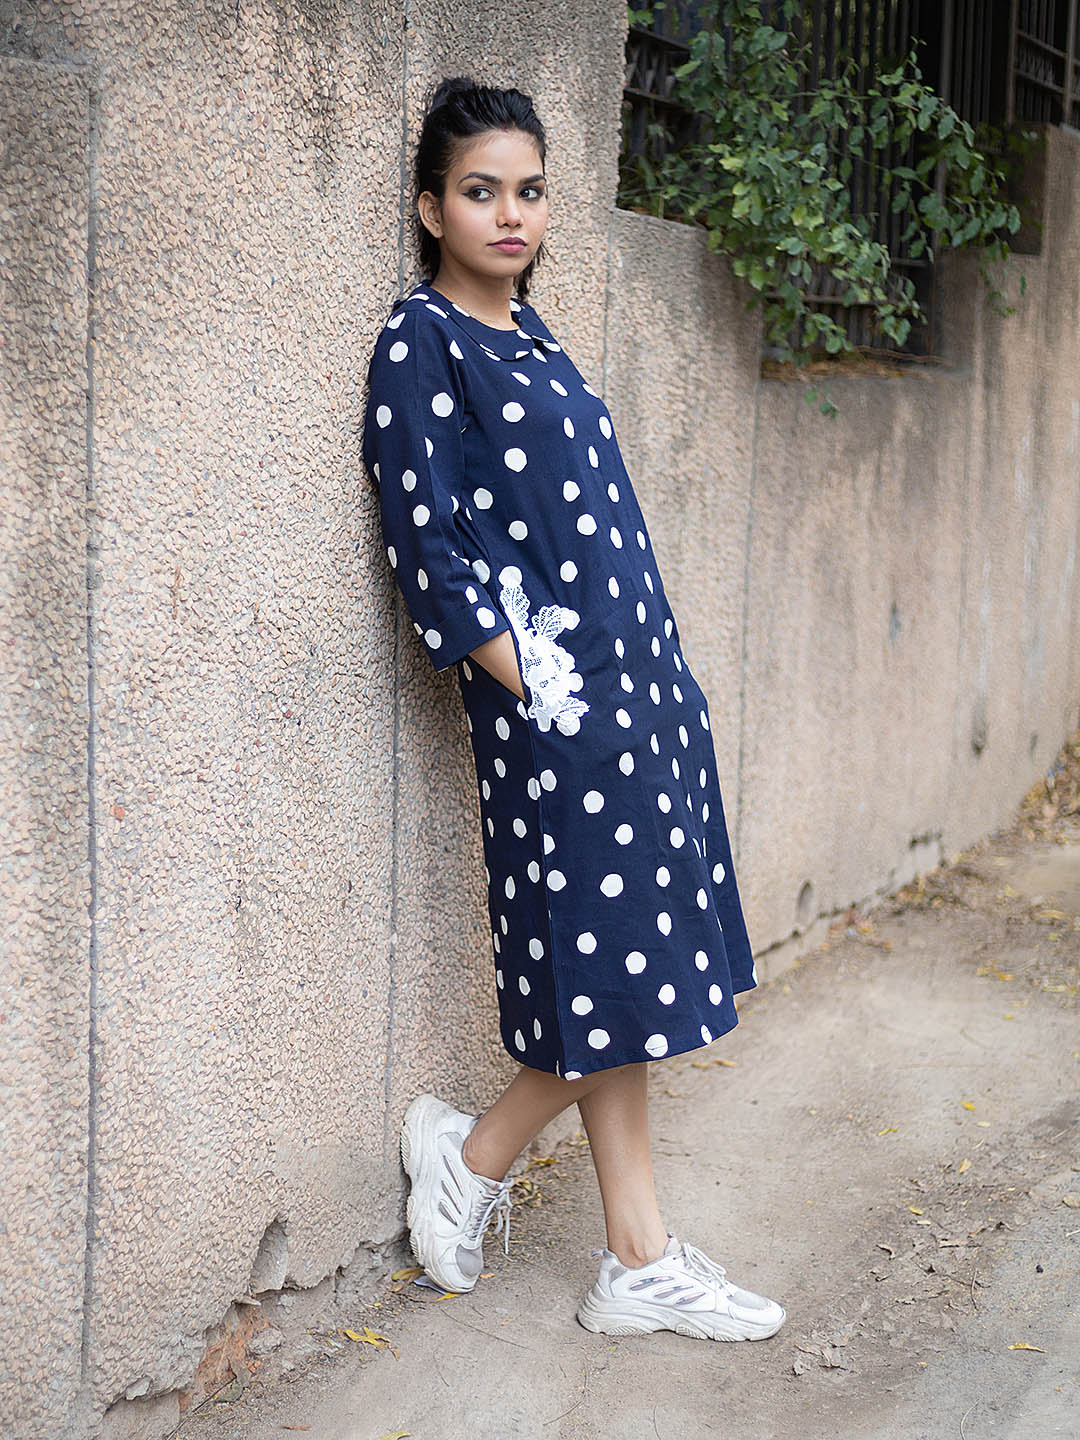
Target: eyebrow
<point x="494" y="179"/>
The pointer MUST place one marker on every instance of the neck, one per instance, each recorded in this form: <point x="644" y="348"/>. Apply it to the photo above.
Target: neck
<point x="488" y="300"/>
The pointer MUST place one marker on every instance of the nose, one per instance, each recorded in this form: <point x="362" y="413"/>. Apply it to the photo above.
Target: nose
<point x="509" y="211"/>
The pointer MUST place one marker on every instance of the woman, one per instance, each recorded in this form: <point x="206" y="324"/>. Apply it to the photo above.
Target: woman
<point x="524" y="560"/>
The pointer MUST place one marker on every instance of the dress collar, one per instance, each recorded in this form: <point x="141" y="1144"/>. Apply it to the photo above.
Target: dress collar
<point x="531" y="334"/>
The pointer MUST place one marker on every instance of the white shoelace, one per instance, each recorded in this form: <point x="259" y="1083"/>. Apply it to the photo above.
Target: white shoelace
<point x="484" y="1208"/>
<point x="699" y="1263"/>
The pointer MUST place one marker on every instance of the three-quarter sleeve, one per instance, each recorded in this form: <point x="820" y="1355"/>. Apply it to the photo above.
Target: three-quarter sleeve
<point x="413" y="449"/>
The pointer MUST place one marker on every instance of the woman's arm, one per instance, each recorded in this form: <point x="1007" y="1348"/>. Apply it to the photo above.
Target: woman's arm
<point x="499" y="658"/>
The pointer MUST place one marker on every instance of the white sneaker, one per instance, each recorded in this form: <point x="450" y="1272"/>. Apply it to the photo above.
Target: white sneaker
<point x="449" y="1205"/>
<point x="683" y="1290"/>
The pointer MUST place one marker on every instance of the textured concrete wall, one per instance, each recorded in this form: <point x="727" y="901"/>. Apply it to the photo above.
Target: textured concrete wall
<point x="884" y="607"/>
<point x="244" y="857"/>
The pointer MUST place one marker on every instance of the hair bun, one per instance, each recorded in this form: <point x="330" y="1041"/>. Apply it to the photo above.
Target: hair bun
<point x="448" y="87"/>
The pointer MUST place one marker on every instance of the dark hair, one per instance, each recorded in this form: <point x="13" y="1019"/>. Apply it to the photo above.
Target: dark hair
<point x="457" y="110"/>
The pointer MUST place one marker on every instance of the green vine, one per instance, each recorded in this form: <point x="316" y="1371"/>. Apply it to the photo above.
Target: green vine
<point x="769" y="176"/>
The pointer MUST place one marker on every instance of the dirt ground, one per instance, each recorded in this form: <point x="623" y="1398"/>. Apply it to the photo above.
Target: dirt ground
<point x="887" y="1143"/>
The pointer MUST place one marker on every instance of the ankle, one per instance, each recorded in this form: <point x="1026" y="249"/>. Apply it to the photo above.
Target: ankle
<point x="634" y="1256"/>
<point x="476" y="1162"/>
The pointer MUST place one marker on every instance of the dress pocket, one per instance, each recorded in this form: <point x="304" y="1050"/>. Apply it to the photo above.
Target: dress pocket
<point x="548" y="670"/>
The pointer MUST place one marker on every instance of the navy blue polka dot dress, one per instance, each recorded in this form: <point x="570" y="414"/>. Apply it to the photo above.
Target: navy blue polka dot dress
<point x="616" y="925"/>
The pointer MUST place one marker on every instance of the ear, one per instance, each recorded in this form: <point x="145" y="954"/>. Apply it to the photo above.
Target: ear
<point x="429" y="209"/>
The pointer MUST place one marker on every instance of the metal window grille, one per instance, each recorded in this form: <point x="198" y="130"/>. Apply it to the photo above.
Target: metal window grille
<point x="992" y="60"/>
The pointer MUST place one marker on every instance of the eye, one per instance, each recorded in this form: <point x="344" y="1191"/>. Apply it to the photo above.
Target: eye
<point x="534" y="191"/>
<point x="475" y="189"/>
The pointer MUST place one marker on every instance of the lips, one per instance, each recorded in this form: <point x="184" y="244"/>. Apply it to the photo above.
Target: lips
<point x="510" y="246"/>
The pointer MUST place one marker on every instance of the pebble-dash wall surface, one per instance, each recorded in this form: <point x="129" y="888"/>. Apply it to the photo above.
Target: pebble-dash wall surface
<point x="241" y="873"/>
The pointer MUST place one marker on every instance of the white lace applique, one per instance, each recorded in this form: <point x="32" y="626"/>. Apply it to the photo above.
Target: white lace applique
<point x="547" y="668"/>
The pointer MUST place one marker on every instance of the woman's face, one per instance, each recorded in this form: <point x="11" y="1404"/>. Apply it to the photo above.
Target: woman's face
<point x="494" y="209"/>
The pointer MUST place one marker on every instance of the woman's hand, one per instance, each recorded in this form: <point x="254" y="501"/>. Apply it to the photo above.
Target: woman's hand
<point x="499" y="658"/>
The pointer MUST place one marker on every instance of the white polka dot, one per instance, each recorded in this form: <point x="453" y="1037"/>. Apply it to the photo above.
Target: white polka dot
<point x="593" y="801"/>
<point x="605" y="427"/>
<point x="704" y="719"/>
<point x="510" y="575"/>
<point x="641" y="539"/>
<point x="485" y="789"/>
<point x="520" y="828"/>
<point x="442" y="404"/>
<point x="715" y="994"/>
<point x="684" y="738"/>
<point x="611" y="885"/>
<point x="533" y="787"/>
<point x="519" y="1040"/>
<point x="433" y="638"/>
<point x="502" y="729"/>
<point x="549" y="844"/>
<point x="613" y="587"/>
<point x="656" y="1045"/>
<point x="483" y="499"/>
<point x="491" y="826"/>
<point x="568" y="427"/>
<point x="666" y="994"/>
<point x="515" y="459"/>
<point x="641" y="612"/>
<point x="547" y="779"/>
<point x="391" y="555"/>
<point x="536" y="949"/>
<point x="655" y="646"/>
<point x="626" y="683"/>
<point x="677" y="693"/>
<point x="533" y="871"/>
<point x="408" y="479"/>
<point x="455" y="350"/>
<point x="623" y="718"/>
<point x="500" y="767"/>
<point x="598" y="1039"/>
<point x="702" y="900"/>
<point x="438" y="309"/>
<point x="421" y="579"/>
<point x="559" y="389"/>
<point x="663" y="876"/>
<point x="635" y="962"/>
<point x="663" y="801"/>
<point x="537" y="1031"/>
<point x="594" y="459"/>
<point x="395" y="321"/>
<point x="648" y="581"/>
<point x="654" y="693"/>
<point x="706" y="1034"/>
<point x="519" y="376"/>
<point x="586" y="524"/>
<point x="624" y="834"/>
<point x="421" y="515"/>
<point x="718" y="873"/>
<point x="482" y="569"/>
<point x="398" y="350"/>
<point x="613" y="494"/>
<point x="486" y="617"/>
<point x="581" y="1005"/>
<point x="568" y="570"/>
<point x="571" y="620"/>
<point x="517" y="529"/>
<point x="676" y="836"/>
<point x="586" y="942"/>
<point x="571" y="489"/>
<point x="523" y="985"/>
<point x="512" y="411"/>
<point x="615" y="537"/>
<point x="701" y="960"/>
<point x="663" y="922"/>
<point x="383" y="416"/>
<point x="626" y="763"/>
<point x="705" y="810"/>
<point x="498" y="973"/>
<point x="620" y="648"/>
<point x="556" y="879"/>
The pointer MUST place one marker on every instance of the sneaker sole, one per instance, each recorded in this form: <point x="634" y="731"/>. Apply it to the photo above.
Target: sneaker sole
<point x="607" y="1318"/>
<point x="420" y="1122"/>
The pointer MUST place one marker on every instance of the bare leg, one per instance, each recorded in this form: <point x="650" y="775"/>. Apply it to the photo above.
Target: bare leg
<point x="615" y="1110"/>
<point x="531" y="1100"/>
<point x="616" y="1118"/>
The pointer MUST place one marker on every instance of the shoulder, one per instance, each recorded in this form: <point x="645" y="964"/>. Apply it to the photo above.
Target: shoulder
<point x="416" y="326"/>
